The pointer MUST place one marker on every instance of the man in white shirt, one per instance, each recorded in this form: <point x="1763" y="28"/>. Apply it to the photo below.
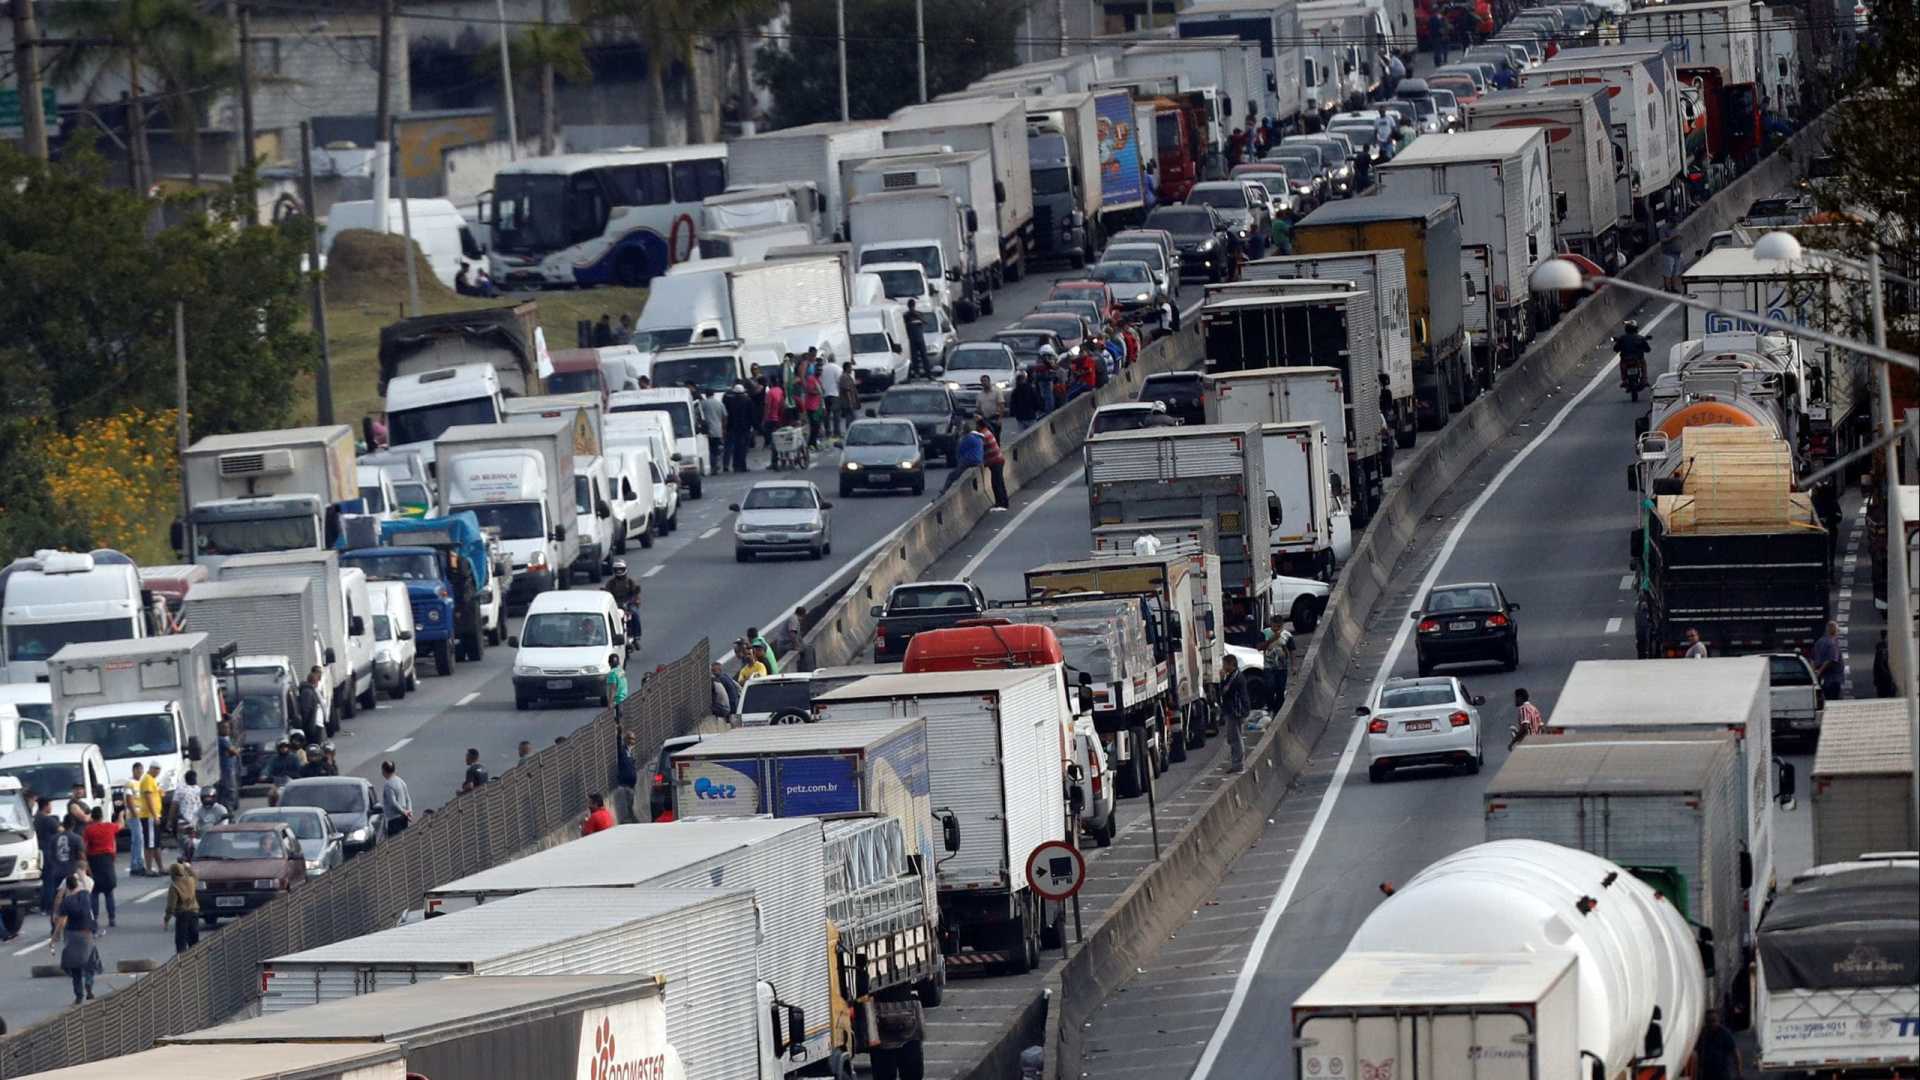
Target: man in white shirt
<point x="830" y="373"/>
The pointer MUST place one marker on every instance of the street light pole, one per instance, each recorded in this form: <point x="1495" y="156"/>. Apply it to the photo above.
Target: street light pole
<point x="919" y="46"/>
<point x="840" y="33"/>
<point x="1899" y="601"/>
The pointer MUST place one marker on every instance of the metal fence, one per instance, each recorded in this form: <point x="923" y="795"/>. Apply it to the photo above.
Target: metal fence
<point x="220" y="978"/>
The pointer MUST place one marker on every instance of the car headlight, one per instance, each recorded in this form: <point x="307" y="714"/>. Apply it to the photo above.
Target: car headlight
<point x="524" y="669"/>
<point x="594" y="669"/>
<point x="266" y="883"/>
<point x="30" y="864"/>
<point x="850" y="466"/>
<point x="1346" y="170"/>
<point x="1241" y="233"/>
<point x="953" y="386"/>
<point x="357" y="836"/>
<point x="910" y="464"/>
<point x="1205" y="246"/>
<point x="314" y="866"/>
<point x="1143" y="297"/>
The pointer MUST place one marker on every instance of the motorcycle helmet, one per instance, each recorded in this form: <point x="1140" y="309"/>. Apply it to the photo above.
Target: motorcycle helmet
<point x="619" y="567"/>
<point x="1632" y="327"/>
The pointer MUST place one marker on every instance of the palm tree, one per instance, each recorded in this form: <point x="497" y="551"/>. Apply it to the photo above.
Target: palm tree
<point x="670" y="31"/>
<point x="142" y="37"/>
<point x="195" y="67"/>
<point x="538" y="54"/>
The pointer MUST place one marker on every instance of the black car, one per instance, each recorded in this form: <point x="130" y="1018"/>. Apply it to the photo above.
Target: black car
<point x="1183" y="393"/>
<point x="1201" y="236"/>
<point x="1467" y="622"/>
<point x="350" y="801"/>
<point x="934" y="414"/>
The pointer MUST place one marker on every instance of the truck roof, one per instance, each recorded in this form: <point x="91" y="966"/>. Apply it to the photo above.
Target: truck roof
<point x="797" y="738"/>
<point x="428" y="1011"/>
<point x="1713" y="692"/>
<point x="1598" y="56"/>
<point x="1387" y="978"/>
<point x="1534" y="95"/>
<point x="932" y="683"/>
<point x="625" y="855"/>
<point x="292" y="1061"/>
<point x="948" y="113"/>
<point x="529" y="427"/>
<point x="1590" y="765"/>
<point x="250" y="440"/>
<point x="932" y="157"/>
<point x="1382" y="208"/>
<point x="1864" y="737"/>
<point x="1182" y="432"/>
<point x="1265" y="374"/>
<point x="130" y="649"/>
<point x="1281" y="299"/>
<point x="1466" y="146"/>
<point x="1741" y="263"/>
<point x="240" y="587"/>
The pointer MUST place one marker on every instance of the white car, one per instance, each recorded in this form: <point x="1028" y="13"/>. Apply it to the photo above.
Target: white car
<point x="975" y="360"/>
<point x="1095" y="786"/>
<point x="1423" y="721"/>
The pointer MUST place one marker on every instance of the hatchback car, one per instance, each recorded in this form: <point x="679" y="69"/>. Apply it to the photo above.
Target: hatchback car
<point x="1422" y="722"/>
<point x="320" y="842"/>
<point x="246" y="865"/>
<point x="1464" y="623"/>
<point x="1134" y="286"/>
<point x="931" y="409"/>
<point x="1201" y="236"/>
<point x="883" y="454"/>
<point x="1183" y="393"/>
<point x="350" y="801"/>
<point x="784" y="517"/>
<point x="1166" y="271"/>
<point x="978" y="360"/>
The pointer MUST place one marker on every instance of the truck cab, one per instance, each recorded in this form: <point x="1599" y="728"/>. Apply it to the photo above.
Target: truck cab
<point x="879" y="336"/>
<point x="422" y="406"/>
<point x="19" y="853"/>
<point x="509" y="483"/>
<point x="903" y="280"/>
<point x="1060" y="228"/>
<point x="596" y="518"/>
<point x="266" y="491"/>
<point x="61" y="597"/>
<point x="57" y="770"/>
<point x="687" y="424"/>
<point x="449" y="575"/>
<point x="1797" y="700"/>
<point x="377" y="496"/>
<point x="154" y="701"/>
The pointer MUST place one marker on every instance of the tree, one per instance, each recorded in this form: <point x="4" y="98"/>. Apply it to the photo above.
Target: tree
<point x="1874" y="139"/>
<point x="537" y="54"/>
<point x="965" y="40"/>
<point x="671" y="30"/>
<point x="138" y="36"/>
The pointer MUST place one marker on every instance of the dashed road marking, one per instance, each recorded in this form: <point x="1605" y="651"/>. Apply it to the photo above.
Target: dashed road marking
<point x="1613" y="625"/>
<point x="25" y="949"/>
<point x="710" y="533"/>
<point x="397" y="747"/>
<point x="152" y="896"/>
<point x="465" y="701"/>
<point x="1626" y="582"/>
<point x="656" y="568"/>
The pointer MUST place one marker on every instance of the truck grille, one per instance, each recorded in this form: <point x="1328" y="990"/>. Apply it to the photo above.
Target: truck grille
<point x="6" y="865"/>
<point x="1043" y="225"/>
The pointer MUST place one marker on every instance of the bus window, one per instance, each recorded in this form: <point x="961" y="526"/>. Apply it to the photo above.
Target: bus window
<point x="637" y="185"/>
<point x="586" y="207"/>
<point x="698" y="179"/>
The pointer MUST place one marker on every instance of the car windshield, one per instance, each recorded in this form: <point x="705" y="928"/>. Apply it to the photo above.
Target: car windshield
<point x="126" y="736"/>
<point x="429" y="422"/>
<point x="240" y="844"/>
<point x="54" y="778"/>
<point x="563" y="630"/>
<point x="374" y="499"/>
<point x="1091" y="293"/>
<point x="920" y="598"/>
<point x="780" y="498"/>
<point x="1025" y="346"/>
<point x="677" y="411"/>
<point x="1120" y="420"/>
<point x="382" y="628"/>
<point x="404" y="566"/>
<point x="1275" y="183"/>
<point x="1233" y="197"/>
<point x="901" y="284"/>
<point x="574" y="382"/>
<point x="1145" y="253"/>
<point x="37" y="641"/>
<point x="776" y="695"/>
<point x="1789" y="671"/>
<point x="1416" y="696"/>
<point x="1181" y="221"/>
<point x="867" y="344"/>
<point x="981" y="358"/>
<point x="1067" y="326"/>
<point x="1361" y="134"/>
<point x="15" y="816"/>
<point x="661" y="337"/>
<point x="259" y="534"/>
<point x="1179" y="388"/>
<point x="907" y="402"/>
<point x="1120" y="271"/>
<point x="264" y="711"/>
<point x="334" y="797"/>
<point x="516" y="521"/>
<point x="305" y="826"/>
<point x="717" y="373"/>
<point x="880" y="435"/>
<point x="1477" y="598"/>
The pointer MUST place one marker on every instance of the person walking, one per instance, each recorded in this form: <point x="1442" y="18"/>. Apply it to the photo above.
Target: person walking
<point x="969" y="452"/>
<point x="187" y="805"/>
<point x="599" y="818"/>
<point x="395" y="801"/>
<point x="830" y="373"/>
<point x="306" y="704"/>
<point x="918" y="368"/>
<point x="1830" y="662"/>
<point x="100" y="840"/>
<point x="1696" y="649"/>
<point x="73" y="932"/>
<point x="45" y="827"/>
<point x="229" y="785"/>
<point x="738" y="406"/>
<point x="146" y="790"/>
<point x="183" y="906"/>
<point x="1279" y="661"/>
<point x="1234" y="707"/>
<point x="994" y="461"/>
<point x="627" y="768"/>
<point x="616" y="680"/>
<point x="813" y="404"/>
<point x="774" y="416"/>
<point x="66" y="854"/>
<point x="137" y="834"/>
<point x="1526" y="718"/>
<point x="714" y="412"/>
<point x="990" y="404"/>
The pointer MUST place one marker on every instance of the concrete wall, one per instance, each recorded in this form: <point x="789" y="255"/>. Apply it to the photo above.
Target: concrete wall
<point x="466" y="171"/>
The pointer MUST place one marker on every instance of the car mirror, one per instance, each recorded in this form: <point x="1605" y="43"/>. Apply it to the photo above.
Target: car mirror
<point x="1513" y="607"/>
<point x="619" y="639"/>
<point x="356" y="626"/>
<point x="949" y="831"/>
<point x="194" y="749"/>
<point x="513" y="642"/>
<point x="1478" y="699"/>
<point x="602" y="510"/>
<point x="676" y="457"/>
<point x="559" y="533"/>
<point x="735" y="507"/>
<point x="1414" y="616"/>
<point x="329" y="657"/>
<point x="406" y="635"/>
<point x="826" y="504"/>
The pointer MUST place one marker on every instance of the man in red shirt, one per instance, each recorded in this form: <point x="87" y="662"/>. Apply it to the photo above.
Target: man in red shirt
<point x="101" y="839"/>
<point x="598" y="816"/>
<point x="993" y="461"/>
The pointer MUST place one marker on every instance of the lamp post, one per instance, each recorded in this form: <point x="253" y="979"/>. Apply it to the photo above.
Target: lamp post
<point x="1559" y="275"/>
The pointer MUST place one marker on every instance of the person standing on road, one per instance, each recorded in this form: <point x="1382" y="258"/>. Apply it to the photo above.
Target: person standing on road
<point x="830" y="373"/>
<point x="183" y="907"/>
<point x="733" y="688"/>
<point x="1234" y="707"/>
<point x="740" y="414"/>
<point x="101" y="842"/>
<point x="599" y="818"/>
<point x="65" y="855"/>
<point x="1830" y="662"/>
<point x="917" y="342"/>
<point x="148" y="788"/>
<point x="45" y="827"/>
<point x="1719" y="1053"/>
<point x="715" y="414"/>
<point x="1696" y="649"/>
<point x="186" y="813"/>
<point x="1279" y="661"/>
<point x="1026" y="400"/>
<point x="1526" y="718"/>
<point x="990" y="404"/>
<point x="627" y="764"/>
<point x="75" y="922"/>
<point x="994" y="461"/>
<point x="767" y="655"/>
<point x="229" y="768"/>
<point x="137" y="834"/>
<point x="307" y="704"/>
<point x="395" y="801"/>
<point x="813" y="402"/>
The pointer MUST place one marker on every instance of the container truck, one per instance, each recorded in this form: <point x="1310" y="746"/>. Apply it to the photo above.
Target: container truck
<point x="1355" y="37"/>
<point x="1508" y="203"/>
<point x="1784" y="49"/>
<point x="152" y="701"/>
<point x="1667" y="810"/>
<point x="1718" y="33"/>
<point x="925" y="226"/>
<point x="505" y="338"/>
<point x="1064" y="148"/>
<point x="998" y="126"/>
<point x="1581" y="156"/>
<point x="700" y="941"/>
<point x="1553" y="963"/>
<point x="58" y="597"/>
<point x="516" y="477"/>
<point x="305" y="1061"/>
<point x="1288" y="395"/>
<point x="750" y="243"/>
<point x="1295" y="469"/>
<point x="1224" y="63"/>
<point x="968" y="177"/>
<point x="270" y="620"/>
<point x="340" y="604"/>
<point x="776" y="302"/>
<point x="1645" y="116"/>
<point x="1426" y="231"/>
<point x="996" y="746"/>
<point x="1643" y="697"/>
<point x="1384" y="274"/>
<point x="809" y="153"/>
<point x="1839" y="986"/>
<point x="266" y="491"/>
<point x="1313" y="329"/>
<point x="1274" y="27"/>
<point x="1863" y="780"/>
<point x="535" y="1027"/>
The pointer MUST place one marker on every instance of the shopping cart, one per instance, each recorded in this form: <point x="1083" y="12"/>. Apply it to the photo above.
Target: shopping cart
<point x="790" y="447"/>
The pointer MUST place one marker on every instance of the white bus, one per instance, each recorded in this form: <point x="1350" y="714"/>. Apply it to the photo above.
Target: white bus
<point x="613" y="217"/>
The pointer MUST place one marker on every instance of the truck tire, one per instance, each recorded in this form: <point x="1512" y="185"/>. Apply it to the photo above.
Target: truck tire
<point x="986" y="304"/>
<point x="646" y="537"/>
<point x="476" y="644"/>
<point x="1177" y="744"/>
<point x="347" y="708"/>
<point x="1404" y="434"/>
<point x="1052" y="930"/>
<point x="698" y="489"/>
<point x="371" y="699"/>
<point x="932" y="992"/>
<point x="1020" y="950"/>
<point x="1305" y="614"/>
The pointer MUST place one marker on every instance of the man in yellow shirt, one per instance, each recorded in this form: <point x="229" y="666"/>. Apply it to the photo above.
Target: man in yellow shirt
<point x="755" y="665"/>
<point x="144" y="793"/>
<point x="136" y="821"/>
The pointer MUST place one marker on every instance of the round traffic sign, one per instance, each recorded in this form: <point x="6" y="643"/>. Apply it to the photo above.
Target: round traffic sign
<point x="1056" y="869"/>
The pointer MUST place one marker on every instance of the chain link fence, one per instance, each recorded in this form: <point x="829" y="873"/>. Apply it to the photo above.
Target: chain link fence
<point x="517" y="812"/>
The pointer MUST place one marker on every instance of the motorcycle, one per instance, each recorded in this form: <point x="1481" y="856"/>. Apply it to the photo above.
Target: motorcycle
<point x="633" y="629"/>
<point x="1633" y="375"/>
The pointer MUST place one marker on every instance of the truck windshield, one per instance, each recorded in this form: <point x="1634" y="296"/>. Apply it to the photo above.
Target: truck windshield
<point x="529" y="212"/>
<point x="375" y="499"/>
<point x="906" y="402"/>
<point x="676" y="411"/>
<point x="574" y="382"/>
<point x="563" y="630"/>
<point x="927" y="257"/>
<point x="1086" y="651"/>
<point x="1226" y="198"/>
<point x="867" y="344"/>
<point x="263" y="712"/>
<point x="39" y="641"/>
<point x="716" y="373"/>
<point x="15" y="817"/>
<point x="429" y="422"/>
<point x="401" y="566"/>
<point x="56" y="778"/>
<point x="776" y="695"/>
<point x="981" y="358"/>
<point x="516" y="521"/>
<point x="1051" y="182"/>
<point x="901" y="284"/>
<point x="260" y="534"/>
<point x="661" y="337"/>
<point x="126" y="736"/>
<point x="412" y="496"/>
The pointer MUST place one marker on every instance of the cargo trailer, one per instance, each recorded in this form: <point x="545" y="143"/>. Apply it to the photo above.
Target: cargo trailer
<point x="1862" y="786"/>
<point x="1644" y="94"/>
<point x="998" y="126"/>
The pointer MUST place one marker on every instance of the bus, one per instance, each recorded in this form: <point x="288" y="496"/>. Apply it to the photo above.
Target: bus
<point x="612" y="217"/>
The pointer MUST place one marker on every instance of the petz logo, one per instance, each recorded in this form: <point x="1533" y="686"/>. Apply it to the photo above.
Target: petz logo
<point x="704" y="788"/>
<point x="605" y="1065"/>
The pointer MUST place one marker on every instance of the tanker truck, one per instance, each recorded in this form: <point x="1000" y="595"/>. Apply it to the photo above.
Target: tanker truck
<point x="1556" y="965"/>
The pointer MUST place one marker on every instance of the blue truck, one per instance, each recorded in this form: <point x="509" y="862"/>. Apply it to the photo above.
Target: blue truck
<point x="444" y="564"/>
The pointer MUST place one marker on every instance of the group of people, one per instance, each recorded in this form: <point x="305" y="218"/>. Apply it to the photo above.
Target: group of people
<point x="1241" y="690"/>
<point x="809" y="390"/>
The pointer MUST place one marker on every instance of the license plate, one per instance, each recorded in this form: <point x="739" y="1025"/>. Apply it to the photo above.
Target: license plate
<point x="1418" y="725"/>
<point x="1464" y="624"/>
<point x="559" y="684"/>
<point x="776" y="538"/>
<point x="229" y="901"/>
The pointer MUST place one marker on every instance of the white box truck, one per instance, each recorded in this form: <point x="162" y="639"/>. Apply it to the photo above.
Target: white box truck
<point x="266" y="491"/>
<point x="1507" y="202"/>
<point x="967" y="175"/>
<point x="57" y="597"/>
<point x="1285" y="395"/>
<point x="809" y="153"/>
<point x="1582" y="157"/>
<point x="305" y="1061"/>
<point x="998" y="126"/>
<point x="925" y="226"/>
<point x="997" y="750"/>
<point x="264" y="617"/>
<point x="1645" y="115"/>
<point x="1271" y="26"/>
<point x="700" y="941"/>
<point x="518" y="478"/>
<point x="1635" y="697"/>
<point x="1718" y="33"/>
<point x="1862" y="786"/>
<point x="1224" y="63"/>
<point x="141" y="702"/>
<point x="344" y="616"/>
<point x="1296" y="470"/>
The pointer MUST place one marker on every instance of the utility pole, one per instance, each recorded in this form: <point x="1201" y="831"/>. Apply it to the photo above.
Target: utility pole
<point x="840" y="22"/>
<point x="920" y="44"/>
<point x="1900" y="633"/>
<point x="506" y="83"/>
<point x="180" y="401"/>
<point x="243" y="28"/>
<point x="323" y="378"/>
<point x="26" y="63"/>
<point x="382" y="125"/>
<point x="406" y="234"/>
<point x="546" y="86"/>
<point x="1060" y="20"/>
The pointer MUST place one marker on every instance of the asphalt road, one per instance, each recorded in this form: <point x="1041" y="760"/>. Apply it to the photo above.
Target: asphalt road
<point x="692" y="588"/>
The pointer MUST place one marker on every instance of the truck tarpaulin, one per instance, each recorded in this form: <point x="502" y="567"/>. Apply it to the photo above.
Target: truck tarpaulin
<point x="1855" y="929"/>
<point x="1121" y="182"/>
<point x="502" y="336"/>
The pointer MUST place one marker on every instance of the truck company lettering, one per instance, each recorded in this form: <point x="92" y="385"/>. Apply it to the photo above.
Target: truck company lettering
<point x="1866" y="960"/>
<point x="1496" y="1053"/>
<point x="606" y="1064"/>
<point x="704" y="788"/>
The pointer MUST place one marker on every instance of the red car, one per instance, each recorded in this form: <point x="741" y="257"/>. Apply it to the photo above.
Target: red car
<point x="1097" y="291"/>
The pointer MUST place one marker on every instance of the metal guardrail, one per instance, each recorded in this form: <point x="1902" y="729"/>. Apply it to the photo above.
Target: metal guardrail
<point x="220" y="977"/>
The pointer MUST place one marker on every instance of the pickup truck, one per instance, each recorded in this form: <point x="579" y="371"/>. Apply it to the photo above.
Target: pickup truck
<point x="1797" y="701"/>
<point x="448" y="573"/>
<point x="921" y="605"/>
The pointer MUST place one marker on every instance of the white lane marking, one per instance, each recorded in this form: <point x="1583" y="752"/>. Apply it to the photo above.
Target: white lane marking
<point x="1626" y="582"/>
<point x="25" y="949"/>
<point x="779" y="617"/>
<point x="710" y="533"/>
<point x="397" y="747"/>
<point x="1304" y="855"/>
<point x="465" y="701"/>
<point x="654" y="569"/>
<point x="1613" y="625"/>
<point x="152" y="896"/>
<point x="1013" y="526"/>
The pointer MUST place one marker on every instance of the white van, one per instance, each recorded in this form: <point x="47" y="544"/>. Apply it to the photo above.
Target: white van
<point x="30" y="700"/>
<point x="650" y="431"/>
<point x="393" y="648"/>
<point x="19" y="853"/>
<point x="630" y="487"/>
<point x="353" y="599"/>
<point x="595" y="521"/>
<point x="439" y="230"/>
<point x="54" y="770"/>
<point x="686" y="426"/>
<point x="566" y="648"/>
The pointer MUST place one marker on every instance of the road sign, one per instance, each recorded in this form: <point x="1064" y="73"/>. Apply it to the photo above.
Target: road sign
<point x="1056" y="869"/>
<point x="13" y="123"/>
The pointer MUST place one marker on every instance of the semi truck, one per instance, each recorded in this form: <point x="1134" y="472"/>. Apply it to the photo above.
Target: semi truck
<point x="1510" y="960"/>
<point x="1645" y="115"/>
<point x="998" y="126"/>
<point x="504" y="338"/>
<point x="1665" y="809"/>
<point x="1271" y="26"/>
<point x="57" y="597"/>
<point x="152" y="701"/>
<point x="1384" y="274"/>
<point x="1063" y="161"/>
<point x="516" y="477"/>
<point x="1508" y="203"/>
<point x="1333" y="329"/>
<point x="996" y="747"/>
<point x="344" y="613"/>
<point x="965" y="175"/>
<point x="810" y="153"/>
<point x="1426" y="231"/>
<point x="1586" y="166"/>
<point x="266" y="491"/>
<point x="1863" y="780"/>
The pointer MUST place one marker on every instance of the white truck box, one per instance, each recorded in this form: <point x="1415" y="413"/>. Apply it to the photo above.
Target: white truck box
<point x="1382" y="273"/>
<point x="491" y="468"/>
<point x="176" y="668"/>
<point x="1293" y="326"/>
<point x="1580" y="153"/>
<point x="270" y="616"/>
<point x="1295" y="469"/>
<point x="1273" y="27"/>
<point x="1632" y="697"/>
<point x="996" y="125"/>
<point x="1224" y="63"/>
<point x="1644" y="108"/>
<point x="966" y="175"/>
<point x="1862" y="786"/>
<point x="587" y="410"/>
<point x="780" y="859"/>
<point x="57" y="596"/>
<point x="1719" y="33"/>
<point x="1783" y="50"/>
<point x="750" y="243"/>
<point x="302" y="1061"/>
<point x="297" y="474"/>
<point x="351" y="649"/>
<point x="810" y="152"/>
<point x="772" y="298"/>
<point x="700" y="941"/>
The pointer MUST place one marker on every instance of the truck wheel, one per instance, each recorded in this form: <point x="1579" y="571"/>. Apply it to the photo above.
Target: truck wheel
<point x="476" y="646"/>
<point x="1403" y="435"/>
<point x="1125" y="784"/>
<point x="986" y="305"/>
<point x="371" y="699"/>
<point x="595" y="574"/>
<point x="347" y="708"/>
<point x="1305" y="614"/>
<point x="630" y="270"/>
<point x="932" y="991"/>
<point x="496" y="634"/>
<point x="646" y="538"/>
<point x="1177" y="745"/>
<point x="412" y="681"/>
<point x="1021" y="954"/>
<point x="443" y="657"/>
<point x="1104" y="837"/>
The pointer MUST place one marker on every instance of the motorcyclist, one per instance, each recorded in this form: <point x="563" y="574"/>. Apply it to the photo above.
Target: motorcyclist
<point x="1633" y="348"/>
<point x="286" y="764"/>
<point x="626" y="592"/>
